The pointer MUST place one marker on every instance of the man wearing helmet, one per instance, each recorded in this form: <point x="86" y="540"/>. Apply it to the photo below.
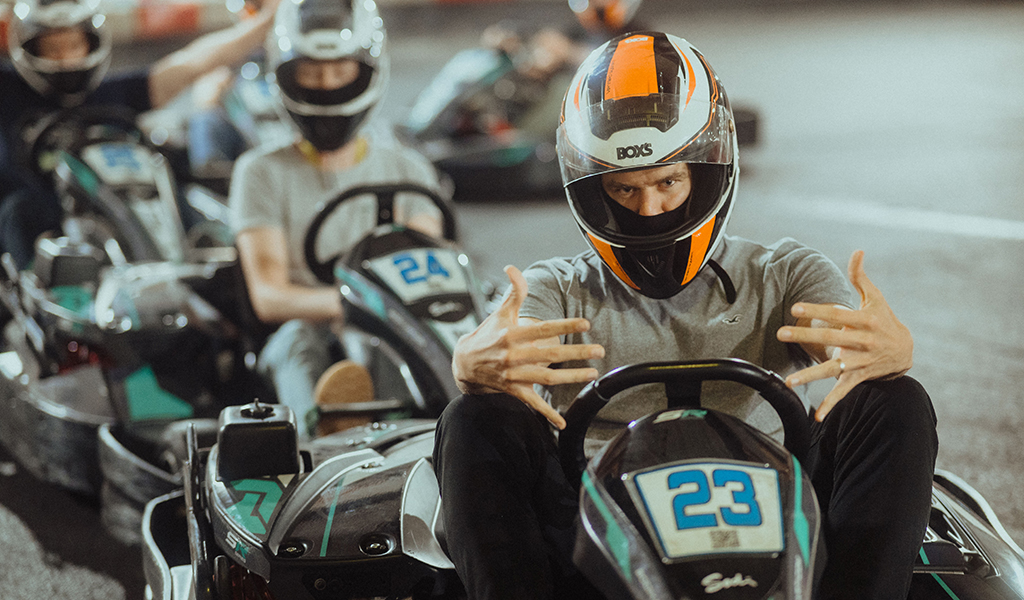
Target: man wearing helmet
<point x="329" y="63"/>
<point x="649" y="161"/>
<point x="60" y="50"/>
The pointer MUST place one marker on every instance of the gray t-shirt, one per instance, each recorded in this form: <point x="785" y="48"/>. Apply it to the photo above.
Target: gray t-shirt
<point x="277" y="186"/>
<point x="696" y="323"/>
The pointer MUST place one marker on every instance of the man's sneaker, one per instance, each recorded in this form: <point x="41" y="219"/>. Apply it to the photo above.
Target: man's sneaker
<point x="344" y="382"/>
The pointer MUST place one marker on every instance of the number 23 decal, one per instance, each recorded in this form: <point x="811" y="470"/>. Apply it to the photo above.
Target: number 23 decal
<point x="745" y="496"/>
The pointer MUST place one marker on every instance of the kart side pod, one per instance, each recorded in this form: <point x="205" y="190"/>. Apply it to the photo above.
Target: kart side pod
<point x="255" y="440"/>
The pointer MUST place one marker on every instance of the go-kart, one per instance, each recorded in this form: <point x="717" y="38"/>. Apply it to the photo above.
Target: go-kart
<point x="127" y="320"/>
<point x="686" y="502"/>
<point x="489" y="126"/>
<point x="408" y="298"/>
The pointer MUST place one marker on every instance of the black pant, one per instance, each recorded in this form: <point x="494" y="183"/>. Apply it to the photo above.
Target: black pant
<point x="509" y="512"/>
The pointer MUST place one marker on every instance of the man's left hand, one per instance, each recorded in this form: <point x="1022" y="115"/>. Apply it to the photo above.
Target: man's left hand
<point x="864" y="344"/>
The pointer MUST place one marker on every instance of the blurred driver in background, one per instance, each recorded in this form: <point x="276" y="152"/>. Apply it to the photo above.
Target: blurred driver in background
<point x="60" y="51"/>
<point x="596" y="22"/>
<point x="329" y="62"/>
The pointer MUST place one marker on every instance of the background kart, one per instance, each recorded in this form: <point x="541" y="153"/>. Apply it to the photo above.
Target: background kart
<point x="408" y="297"/>
<point x="356" y="514"/>
<point x="127" y="321"/>
<point x="138" y="318"/>
<point x="488" y="121"/>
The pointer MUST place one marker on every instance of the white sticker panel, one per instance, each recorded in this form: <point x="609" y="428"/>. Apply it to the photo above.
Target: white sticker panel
<point x="711" y="508"/>
<point x="119" y="163"/>
<point x="421" y="272"/>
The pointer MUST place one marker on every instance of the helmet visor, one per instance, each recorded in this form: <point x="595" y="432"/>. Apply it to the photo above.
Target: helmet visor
<point x="637" y="130"/>
<point x="290" y="79"/>
<point x="602" y="216"/>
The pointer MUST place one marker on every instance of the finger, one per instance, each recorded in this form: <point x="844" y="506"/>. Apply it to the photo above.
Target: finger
<point x="516" y="294"/>
<point x="527" y="395"/>
<point x="524" y="355"/>
<point x="546" y="329"/>
<point x="852" y="339"/>
<point x="839" y="391"/>
<point x="859" y="278"/>
<point x="823" y="370"/>
<point x="531" y="374"/>
<point x="830" y="313"/>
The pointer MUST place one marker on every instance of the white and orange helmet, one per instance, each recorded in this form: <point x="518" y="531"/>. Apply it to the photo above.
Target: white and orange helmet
<point x="646" y="100"/>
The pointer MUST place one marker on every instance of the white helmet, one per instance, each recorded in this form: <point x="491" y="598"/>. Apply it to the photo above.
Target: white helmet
<point x="646" y="100"/>
<point x="328" y="30"/>
<point x="69" y="80"/>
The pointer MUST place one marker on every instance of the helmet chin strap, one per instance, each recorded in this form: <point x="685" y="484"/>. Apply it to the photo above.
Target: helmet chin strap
<point x="727" y="285"/>
<point x="631" y="223"/>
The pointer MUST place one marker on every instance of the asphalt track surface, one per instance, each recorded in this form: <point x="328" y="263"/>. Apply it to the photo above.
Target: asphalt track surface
<point x="896" y="128"/>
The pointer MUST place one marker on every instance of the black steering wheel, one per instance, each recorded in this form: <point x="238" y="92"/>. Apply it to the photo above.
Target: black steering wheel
<point x="682" y="386"/>
<point x="73" y="128"/>
<point x="385" y="195"/>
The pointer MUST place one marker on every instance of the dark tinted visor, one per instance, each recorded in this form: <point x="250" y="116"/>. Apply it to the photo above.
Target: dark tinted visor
<point x="286" y="78"/>
<point x="604" y="217"/>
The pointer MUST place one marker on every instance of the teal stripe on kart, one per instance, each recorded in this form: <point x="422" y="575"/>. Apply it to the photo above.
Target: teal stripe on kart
<point x="330" y="517"/>
<point x="942" y="584"/>
<point x="614" y="536"/>
<point x="800" y="526"/>
<point x="147" y="400"/>
<point x="260" y="498"/>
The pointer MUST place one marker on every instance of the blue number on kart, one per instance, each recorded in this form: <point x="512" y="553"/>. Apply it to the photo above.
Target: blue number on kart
<point x="416" y="273"/>
<point x="408" y="267"/>
<point x="700" y="508"/>
<point x="702" y="495"/>
<point x="120" y="155"/>
<point x="751" y="517"/>
<point x="745" y="495"/>
<point x="434" y="266"/>
<point x="411" y="270"/>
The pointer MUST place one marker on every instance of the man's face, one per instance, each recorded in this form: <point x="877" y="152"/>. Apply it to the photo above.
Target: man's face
<point x="649" y="192"/>
<point x="66" y="43"/>
<point x="326" y="75"/>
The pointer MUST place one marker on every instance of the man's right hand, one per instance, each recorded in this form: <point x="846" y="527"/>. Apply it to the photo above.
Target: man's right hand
<point x="506" y="354"/>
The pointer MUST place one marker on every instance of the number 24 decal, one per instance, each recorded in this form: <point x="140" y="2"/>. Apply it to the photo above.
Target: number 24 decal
<point x="702" y="495"/>
<point x="413" y="272"/>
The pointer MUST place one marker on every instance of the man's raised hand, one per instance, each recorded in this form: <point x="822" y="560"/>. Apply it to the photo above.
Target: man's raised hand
<point x="864" y="344"/>
<point x="505" y="354"/>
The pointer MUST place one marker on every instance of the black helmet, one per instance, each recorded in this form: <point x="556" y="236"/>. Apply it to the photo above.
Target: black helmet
<point x="328" y="30"/>
<point x="37" y="23"/>
<point x="645" y="100"/>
